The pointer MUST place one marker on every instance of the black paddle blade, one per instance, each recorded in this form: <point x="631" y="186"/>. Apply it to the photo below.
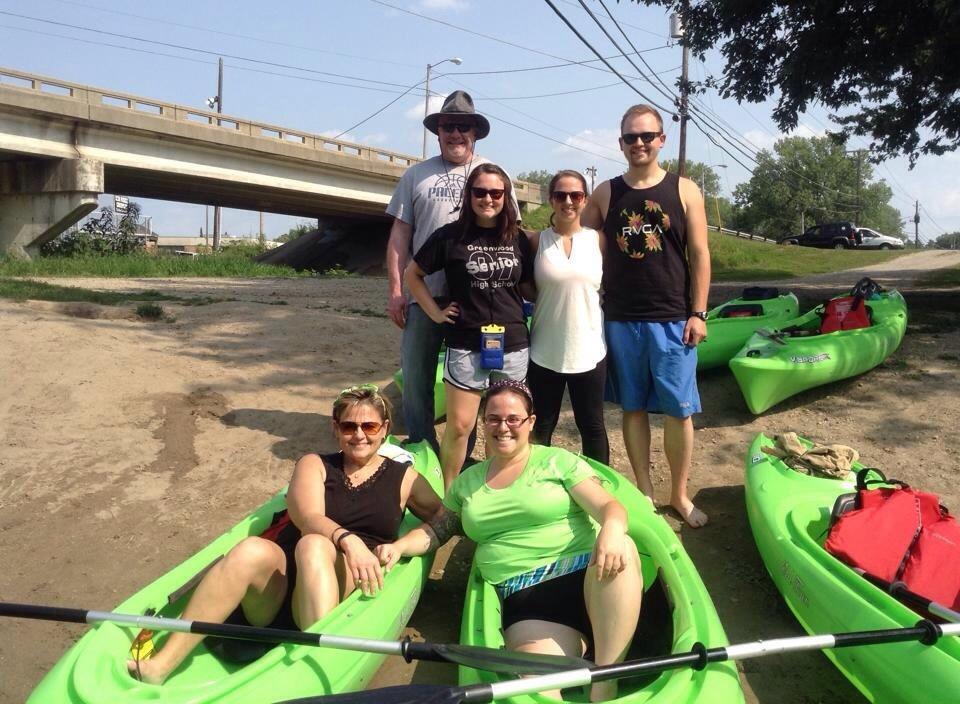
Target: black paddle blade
<point x="508" y="662"/>
<point x="398" y="694"/>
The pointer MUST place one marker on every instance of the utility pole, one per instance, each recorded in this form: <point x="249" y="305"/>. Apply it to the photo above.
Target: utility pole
<point x="592" y="170"/>
<point x="916" y="225"/>
<point x="216" y="210"/>
<point x="261" y="237"/>
<point x="677" y="32"/>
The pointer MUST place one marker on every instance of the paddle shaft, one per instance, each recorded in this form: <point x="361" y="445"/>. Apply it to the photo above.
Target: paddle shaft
<point x="925" y="631"/>
<point x="900" y="590"/>
<point x="408" y="649"/>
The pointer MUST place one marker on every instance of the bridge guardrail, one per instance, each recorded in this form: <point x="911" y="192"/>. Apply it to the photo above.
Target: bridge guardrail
<point x="740" y="234"/>
<point x="171" y="111"/>
<point x="531" y="193"/>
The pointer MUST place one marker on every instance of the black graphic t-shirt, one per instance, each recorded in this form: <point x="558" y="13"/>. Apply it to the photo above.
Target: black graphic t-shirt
<point x="645" y="270"/>
<point x="483" y="277"/>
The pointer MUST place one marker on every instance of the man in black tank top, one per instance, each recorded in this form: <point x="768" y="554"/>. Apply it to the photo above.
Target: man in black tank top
<point x="656" y="276"/>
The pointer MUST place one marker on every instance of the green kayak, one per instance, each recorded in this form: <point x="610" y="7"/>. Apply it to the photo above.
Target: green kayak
<point x="677" y="612"/>
<point x="94" y="669"/>
<point x="773" y="366"/>
<point x="789" y="514"/>
<point x="439" y="393"/>
<point x="731" y="324"/>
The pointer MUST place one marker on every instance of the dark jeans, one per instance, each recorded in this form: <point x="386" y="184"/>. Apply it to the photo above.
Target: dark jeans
<point x="586" y="398"/>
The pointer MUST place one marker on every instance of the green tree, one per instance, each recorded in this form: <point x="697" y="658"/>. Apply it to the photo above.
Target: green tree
<point x="704" y="176"/>
<point x="102" y="234"/>
<point x="542" y="177"/>
<point x="888" y="67"/>
<point x="808" y="180"/>
<point x="950" y="240"/>
<point x="296" y="231"/>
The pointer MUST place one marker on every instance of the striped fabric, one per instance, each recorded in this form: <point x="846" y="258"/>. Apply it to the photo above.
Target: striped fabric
<point x="565" y="565"/>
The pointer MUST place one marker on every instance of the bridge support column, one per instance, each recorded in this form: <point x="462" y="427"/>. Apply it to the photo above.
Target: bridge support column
<point x="41" y="199"/>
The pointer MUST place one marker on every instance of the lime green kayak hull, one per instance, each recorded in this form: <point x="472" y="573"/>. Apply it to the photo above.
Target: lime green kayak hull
<point x="694" y="617"/>
<point x="769" y="371"/>
<point x="94" y="670"/>
<point x="439" y="393"/>
<point x="725" y="336"/>
<point x="789" y="514"/>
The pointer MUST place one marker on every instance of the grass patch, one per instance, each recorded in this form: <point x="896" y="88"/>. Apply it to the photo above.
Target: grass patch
<point x="736" y="259"/>
<point x="940" y="278"/>
<point x="150" y="311"/>
<point x="27" y="289"/>
<point x="366" y="312"/>
<point x="224" y="264"/>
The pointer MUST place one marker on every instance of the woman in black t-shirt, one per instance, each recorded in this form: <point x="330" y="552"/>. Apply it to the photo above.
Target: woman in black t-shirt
<point x="485" y="260"/>
<point x="340" y="507"/>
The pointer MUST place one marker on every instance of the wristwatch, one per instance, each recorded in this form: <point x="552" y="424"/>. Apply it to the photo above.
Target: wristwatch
<point x="702" y="314"/>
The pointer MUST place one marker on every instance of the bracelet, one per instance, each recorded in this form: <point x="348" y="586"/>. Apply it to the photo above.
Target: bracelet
<point x="340" y="538"/>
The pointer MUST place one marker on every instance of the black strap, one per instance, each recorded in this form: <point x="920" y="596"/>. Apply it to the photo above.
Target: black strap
<point x="864" y="483"/>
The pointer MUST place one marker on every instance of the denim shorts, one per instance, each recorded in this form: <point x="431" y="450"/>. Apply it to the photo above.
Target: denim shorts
<point x="650" y="369"/>
<point x="461" y="368"/>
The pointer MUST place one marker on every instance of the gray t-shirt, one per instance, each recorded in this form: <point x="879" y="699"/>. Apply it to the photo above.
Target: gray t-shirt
<point x="427" y="197"/>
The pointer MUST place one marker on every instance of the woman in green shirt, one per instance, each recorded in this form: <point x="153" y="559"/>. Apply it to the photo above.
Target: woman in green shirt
<point x="550" y="538"/>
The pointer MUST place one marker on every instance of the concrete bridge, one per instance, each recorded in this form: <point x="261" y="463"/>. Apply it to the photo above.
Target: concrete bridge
<point x="62" y="144"/>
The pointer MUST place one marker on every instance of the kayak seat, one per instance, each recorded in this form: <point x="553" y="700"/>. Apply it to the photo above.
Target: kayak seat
<point x="760" y="293"/>
<point x="741" y="310"/>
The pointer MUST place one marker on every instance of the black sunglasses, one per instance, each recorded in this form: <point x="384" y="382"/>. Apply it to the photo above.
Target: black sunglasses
<point x="494" y="193"/>
<point x="645" y="137"/>
<point x="461" y="127"/>
<point x="576" y="197"/>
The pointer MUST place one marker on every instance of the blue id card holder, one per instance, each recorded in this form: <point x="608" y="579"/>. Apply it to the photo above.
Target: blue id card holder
<point x="491" y="346"/>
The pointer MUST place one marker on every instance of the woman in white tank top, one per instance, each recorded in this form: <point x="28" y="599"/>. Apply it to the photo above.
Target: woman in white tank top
<point x="567" y="348"/>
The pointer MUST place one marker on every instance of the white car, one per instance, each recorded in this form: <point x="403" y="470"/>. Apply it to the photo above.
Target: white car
<point x="872" y="239"/>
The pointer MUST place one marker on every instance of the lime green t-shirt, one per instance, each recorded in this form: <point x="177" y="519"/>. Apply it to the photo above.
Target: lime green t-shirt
<point x="530" y="523"/>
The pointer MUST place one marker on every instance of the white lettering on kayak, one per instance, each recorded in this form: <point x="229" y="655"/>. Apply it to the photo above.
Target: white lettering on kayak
<point x="810" y="358"/>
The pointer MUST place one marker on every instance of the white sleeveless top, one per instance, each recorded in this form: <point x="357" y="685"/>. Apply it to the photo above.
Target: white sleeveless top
<point x="566" y="334"/>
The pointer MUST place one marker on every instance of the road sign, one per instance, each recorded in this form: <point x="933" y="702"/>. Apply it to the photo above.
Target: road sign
<point x="121" y="204"/>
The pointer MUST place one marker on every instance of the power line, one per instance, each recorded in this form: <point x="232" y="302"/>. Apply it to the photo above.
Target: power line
<point x="619" y="25"/>
<point x="626" y="24"/>
<point x="199" y="51"/>
<point x="599" y="56"/>
<point x="370" y="117"/>
<point x="565" y="64"/>
<point x="230" y="34"/>
<point x="191" y="59"/>
<point x="566" y="92"/>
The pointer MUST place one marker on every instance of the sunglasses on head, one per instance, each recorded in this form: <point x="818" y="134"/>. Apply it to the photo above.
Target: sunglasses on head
<point x="574" y="196"/>
<point x="494" y="193"/>
<point x="645" y="137"/>
<point x="349" y="427"/>
<point x="461" y="127"/>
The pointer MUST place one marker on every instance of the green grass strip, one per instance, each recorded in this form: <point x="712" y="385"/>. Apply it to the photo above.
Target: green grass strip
<point x="148" y="266"/>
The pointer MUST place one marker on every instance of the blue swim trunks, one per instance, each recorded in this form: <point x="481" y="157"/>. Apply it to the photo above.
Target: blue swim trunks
<point x="650" y="369"/>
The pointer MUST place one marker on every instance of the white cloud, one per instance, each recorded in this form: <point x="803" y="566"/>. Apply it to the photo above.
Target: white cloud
<point x="416" y="111"/>
<point x="454" y="5"/>
<point x="595" y="140"/>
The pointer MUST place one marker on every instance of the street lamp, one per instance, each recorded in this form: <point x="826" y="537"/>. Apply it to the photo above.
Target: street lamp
<point x="456" y="60"/>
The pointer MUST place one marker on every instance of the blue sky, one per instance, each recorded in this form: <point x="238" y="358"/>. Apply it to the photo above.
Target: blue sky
<point x="377" y="51"/>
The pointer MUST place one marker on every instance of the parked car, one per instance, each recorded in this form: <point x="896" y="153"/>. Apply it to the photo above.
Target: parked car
<point x="871" y="239"/>
<point x="828" y="235"/>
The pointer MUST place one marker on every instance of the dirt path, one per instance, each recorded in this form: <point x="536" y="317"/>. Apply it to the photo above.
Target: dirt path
<point x="126" y="446"/>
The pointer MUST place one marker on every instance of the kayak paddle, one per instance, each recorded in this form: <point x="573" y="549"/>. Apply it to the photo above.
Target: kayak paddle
<point x="493" y="659"/>
<point x="698" y="658"/>
<point x="899" y="590"/>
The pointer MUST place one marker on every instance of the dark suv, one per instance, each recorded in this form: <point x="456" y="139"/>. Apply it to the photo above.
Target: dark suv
<point x="828" y="235"/>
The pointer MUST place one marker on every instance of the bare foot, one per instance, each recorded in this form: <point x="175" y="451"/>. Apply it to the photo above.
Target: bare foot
<point x="694" y="517"/>
<point x="148" y="671"/>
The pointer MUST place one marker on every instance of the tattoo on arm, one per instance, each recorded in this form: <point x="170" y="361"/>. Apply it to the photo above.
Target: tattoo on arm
<point x="442" y="527"/>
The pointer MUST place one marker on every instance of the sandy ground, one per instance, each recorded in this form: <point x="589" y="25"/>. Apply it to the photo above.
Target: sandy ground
<point x="125" y="446"/>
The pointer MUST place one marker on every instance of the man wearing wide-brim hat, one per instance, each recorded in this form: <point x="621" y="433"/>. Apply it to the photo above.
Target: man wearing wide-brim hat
<point x="428" y="196"/>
